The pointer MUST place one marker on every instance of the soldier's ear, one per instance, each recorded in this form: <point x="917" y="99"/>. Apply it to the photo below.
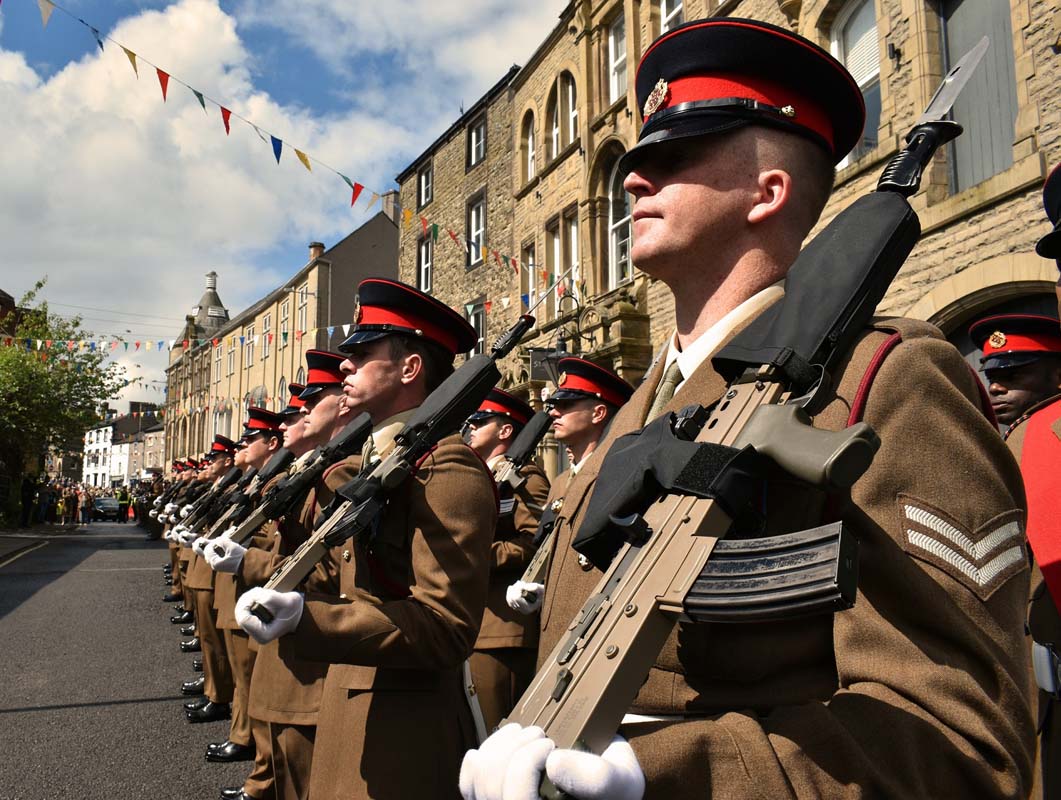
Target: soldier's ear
<point x="412" y="367"/>
<point x="505" y="431"/>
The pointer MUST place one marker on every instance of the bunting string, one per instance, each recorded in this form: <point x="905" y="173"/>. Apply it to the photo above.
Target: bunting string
<point x="276" y="143"/>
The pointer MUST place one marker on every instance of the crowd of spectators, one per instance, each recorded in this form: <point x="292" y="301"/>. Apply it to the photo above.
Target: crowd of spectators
<point x="65" y="502"/>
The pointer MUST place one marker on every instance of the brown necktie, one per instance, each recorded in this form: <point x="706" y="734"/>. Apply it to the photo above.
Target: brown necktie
<point x="665" y="392"/>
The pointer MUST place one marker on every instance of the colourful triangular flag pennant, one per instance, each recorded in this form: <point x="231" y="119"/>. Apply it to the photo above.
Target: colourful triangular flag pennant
<point x="407" y="216"/>
<point x="357" y="189"/>
<point x="372" y="202"/>
<point x="163" y="81"/>
<point x="434" y="233"/>
<point x="199" y="97"/>
<point x="277" y="147"/>
<point x="225" y="114"/>
<point x="302" y="157"/>
<point x="95" y="33"/>
<point x="132" y="60"/>
<point x="46" y="11"/>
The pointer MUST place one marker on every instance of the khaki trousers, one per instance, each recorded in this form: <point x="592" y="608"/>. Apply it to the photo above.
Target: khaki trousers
<point x="218" y="686"/>
<point x="501" y="676"/>
<point x="260" y="783"/>
<point x="292" y="756"/>
<point x="175" y="574"/>
<point x="241" y="661"/>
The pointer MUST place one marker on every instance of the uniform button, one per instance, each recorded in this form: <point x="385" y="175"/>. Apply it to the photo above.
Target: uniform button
<point x="346" y="555"/>
<point x="343" y="597"/>
<point x="558" y="504"/>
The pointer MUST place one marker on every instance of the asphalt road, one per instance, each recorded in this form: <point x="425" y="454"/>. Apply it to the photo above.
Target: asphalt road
<point x="90" y="673"/>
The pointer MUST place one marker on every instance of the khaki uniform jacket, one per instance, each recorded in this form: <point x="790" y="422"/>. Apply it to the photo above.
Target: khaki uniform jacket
<point x="394" y="722"/>
<point x="1044" y="621"/>
<point x="510" y="553"/>
<point x="284" y="687"/>
<point x="200" y="575"/>
<point x="921" y="689"/>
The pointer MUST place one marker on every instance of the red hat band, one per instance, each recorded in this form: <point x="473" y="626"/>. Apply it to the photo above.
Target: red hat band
<point x="258" y="425"/>
<point x="323" y="377"/>
<point x="397" y="318"/>
<point x="580" y="384"/>
<point x="497" y="408"/>
<point x="804" y="111"/>
<point x="1022" y="343"/>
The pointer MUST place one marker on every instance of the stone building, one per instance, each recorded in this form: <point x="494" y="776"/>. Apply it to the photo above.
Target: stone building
<point x="251" y="358"/>
<point x="571" y="111"/>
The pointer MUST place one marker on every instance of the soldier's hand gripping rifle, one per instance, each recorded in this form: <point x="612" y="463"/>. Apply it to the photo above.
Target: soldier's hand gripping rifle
<point x="242" y="502"/>
<point x="360" y="501"/>
<point x="290" y="492"/>
<point x="203" y="507"/>
<point x="670" y="563"/>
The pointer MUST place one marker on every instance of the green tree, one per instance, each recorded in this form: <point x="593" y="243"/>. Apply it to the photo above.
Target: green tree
<point x="50" y="393"/>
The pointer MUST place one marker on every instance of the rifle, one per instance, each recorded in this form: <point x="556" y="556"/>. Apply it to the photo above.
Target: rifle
<point x="292" y="490"/>
<point x="522" y="450"/>
<point x="670" y="562"/>
<point x="358" y="502"/>
<point x="242" y="502"/>
<point x="204" y="504"/>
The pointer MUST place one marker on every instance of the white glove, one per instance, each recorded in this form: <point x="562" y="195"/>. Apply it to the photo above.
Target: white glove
<point x="227" y="534"/>
<point x="230" y="557"/>
<point x="517" y="601"/>
<point x="199" y="545"/>
<point x="186" y="510"/>
<point x="509" y="764"/>
<point x="153" y="513"/>
<point x="285" y="607"/>
<point x="186" y="536"/>
<point x="157" y="503"/>
<point x="170" y="508"/>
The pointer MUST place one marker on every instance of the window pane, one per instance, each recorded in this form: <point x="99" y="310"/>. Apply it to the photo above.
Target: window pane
<point x="619" y="268"/>
<point x="860" y="43"/>
<point x="671" y="14"/>
<point x="617" y="59"/>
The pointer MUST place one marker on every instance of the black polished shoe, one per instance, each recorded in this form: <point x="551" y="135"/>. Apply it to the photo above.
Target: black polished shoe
<point x="197" y="665"/>
<point x="182" y="618"/>
<point x="172" y="597"/>
<point x="236" y="793"/>
<point x="211" y="712"/>
<point x="188" y="630"/>
<point x="167" y="568"/>
<point x="167" y="582"/>
<point x="193" y="687"/>
<point x="229" y="751"/>
<point x="192" y="705"/>
<point x="191" y="646"/>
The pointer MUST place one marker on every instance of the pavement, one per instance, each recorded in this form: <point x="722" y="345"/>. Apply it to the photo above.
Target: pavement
<point x="90" y="673"/>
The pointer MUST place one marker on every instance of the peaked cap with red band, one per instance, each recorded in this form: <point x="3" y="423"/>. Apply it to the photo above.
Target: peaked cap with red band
<point x="222" y="446"/>
<point x="1050" y="245"/>
<point x="178" y="466"/>
<point x="580" y="379"/>
<point x="1010" y="340"/>
<point x="714" y="75"/>
<point x="387" y="307"/>
<point x="322" y="371"/>
<point x="191" y="463"/>
<point x="260" y="420"/>
<point x="295" y="403"/>
<point x="503" y="404"/>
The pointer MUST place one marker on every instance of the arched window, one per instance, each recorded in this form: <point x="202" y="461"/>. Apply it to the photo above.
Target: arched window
<point x="620" y="231"/>
<point x="561" y="116"/>
<point x="527" y="169"/>
<point x="300" y="376"/>
<point x="854" y="42"/>
<point x="281" y="394"/>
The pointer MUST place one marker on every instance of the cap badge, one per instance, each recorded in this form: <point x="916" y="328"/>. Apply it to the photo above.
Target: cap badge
<point x="562" y="379"/>
<point x="788" y="111"/>
<point x="656" y="98"/>
<point x="997" y="340"/>
<point x="346" y="555"/>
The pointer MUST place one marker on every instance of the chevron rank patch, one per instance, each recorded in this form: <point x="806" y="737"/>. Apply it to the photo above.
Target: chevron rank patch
<point x="507" y="506"/>
<point x="982" y="559"/>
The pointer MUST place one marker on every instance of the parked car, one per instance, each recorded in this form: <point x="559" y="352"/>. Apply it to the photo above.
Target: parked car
<point x="105" y="508"/>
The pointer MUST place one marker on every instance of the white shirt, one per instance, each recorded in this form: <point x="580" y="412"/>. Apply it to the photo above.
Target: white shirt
<point x="711" y="340"/>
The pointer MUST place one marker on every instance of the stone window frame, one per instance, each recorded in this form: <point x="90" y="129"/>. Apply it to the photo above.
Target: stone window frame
<point x="612" y="64"/>
<point x="421" y="284"/>
<point x="248" y="344"/>
<point x="267" y="329"/>
<point x="527" y="150"/>
<point x="528" y="269"/>
<point x="285" y="323"/>
<point x="473" y="144"/>
<point x="561" y="116"/>
<point x="425" y="185"/>
<point x="217" y="364"/>
<point x="475" y="254"/>
<point x="667" y="15"/>
<point x="477" y="319"/>
<point x="845" y="13"/>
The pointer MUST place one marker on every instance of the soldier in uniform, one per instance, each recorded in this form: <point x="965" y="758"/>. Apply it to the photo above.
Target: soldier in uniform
<point x="505" y="652"/>
<point x="394" y="720"/>
<point x="176" y="593"/>
<point x="285" y="690"/>
<point x="1035" y="440"/>
<point x="217" y="680"/>
<point x="261" y="439"/>
<point x="1021" y="362"/>
<point x="584" y="403"/>
<point x="920" y="690"/>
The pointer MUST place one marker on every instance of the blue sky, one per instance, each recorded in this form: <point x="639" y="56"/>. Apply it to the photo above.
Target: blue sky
<point x="125" y="202"/>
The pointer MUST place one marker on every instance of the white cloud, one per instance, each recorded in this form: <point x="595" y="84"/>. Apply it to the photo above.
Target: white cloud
<point x="124" y="203"/>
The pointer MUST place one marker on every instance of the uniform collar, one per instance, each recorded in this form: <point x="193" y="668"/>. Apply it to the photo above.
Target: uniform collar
<point x="709" y="342"/>
<point x="382" y="438"/>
